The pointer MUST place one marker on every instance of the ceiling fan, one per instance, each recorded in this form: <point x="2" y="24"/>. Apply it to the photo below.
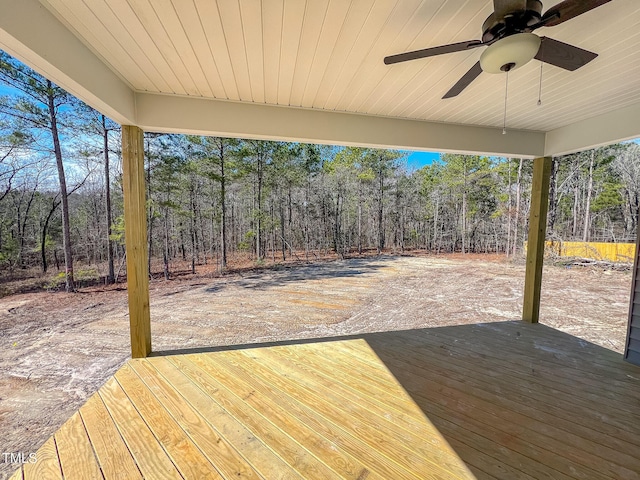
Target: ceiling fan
<point x="507" y="34"/>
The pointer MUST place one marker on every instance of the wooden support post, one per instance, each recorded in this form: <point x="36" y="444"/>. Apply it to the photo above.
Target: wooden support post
<point x="632" y="345"/>
<point x="135" y="222"/>
<point x="536" y="240"/>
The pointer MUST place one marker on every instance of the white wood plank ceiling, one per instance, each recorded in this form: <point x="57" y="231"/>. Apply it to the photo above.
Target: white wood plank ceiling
<point x="327" y="54"/>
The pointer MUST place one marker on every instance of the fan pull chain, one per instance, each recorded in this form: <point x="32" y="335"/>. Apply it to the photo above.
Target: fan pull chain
<point x="540" y="89"/>
<point x="506" y="96"/>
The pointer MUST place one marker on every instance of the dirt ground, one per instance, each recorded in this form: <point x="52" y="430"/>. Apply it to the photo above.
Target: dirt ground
<point x="57" y="348"/>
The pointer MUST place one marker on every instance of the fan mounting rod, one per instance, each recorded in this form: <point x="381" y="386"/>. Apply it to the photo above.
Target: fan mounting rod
<point x="517" y="16"/>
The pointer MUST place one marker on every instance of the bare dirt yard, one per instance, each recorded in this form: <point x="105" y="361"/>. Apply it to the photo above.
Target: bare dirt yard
<point x="57" y="348"/>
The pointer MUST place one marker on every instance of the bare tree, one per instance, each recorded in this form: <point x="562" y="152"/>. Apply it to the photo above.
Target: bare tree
<point x="39" y="107"/>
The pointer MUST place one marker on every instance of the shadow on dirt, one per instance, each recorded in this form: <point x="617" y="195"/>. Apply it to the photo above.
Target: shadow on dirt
<point x="282" y="275"/>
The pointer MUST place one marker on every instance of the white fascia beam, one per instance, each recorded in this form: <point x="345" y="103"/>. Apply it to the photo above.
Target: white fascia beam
<point x="33" y="35"/>
<point x="605" y="129"/>
<point x="173" y="114"/>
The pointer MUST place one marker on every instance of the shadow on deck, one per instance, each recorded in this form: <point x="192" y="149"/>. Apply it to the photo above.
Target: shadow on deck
<point x="516" y="400"/>
<point x="513" y="401"/>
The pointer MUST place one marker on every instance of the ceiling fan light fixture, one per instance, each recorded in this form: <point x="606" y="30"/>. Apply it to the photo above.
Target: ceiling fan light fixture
<point x="510" y="53"/>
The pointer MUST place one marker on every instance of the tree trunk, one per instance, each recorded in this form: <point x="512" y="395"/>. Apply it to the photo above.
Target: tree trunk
<point x="165" y="253"/>
<point x="259" y="249"/>
<point x="43" y="238"/>
<point x="632" y="214"/>
<point x="380" y="211"/>
<point x="507" y="250"/>
<point x="107" y="185"/>
<point x="273" y="231"/>
<point x="587" y="206"/>
<point x="307" y="240"/>
<point x="192" y="225"/>
<point x="223" y="206"/>
<point x="634" y="218"/>
<point x="183" y="249"/>
<point x="150" y="213"/>
<point x="66" y="228"/>
<point x="22" y="226"/>
<point x="336" y="226"/>
<point x="282" y="231"/>
<point x="402" y="228"/>
<point x="435" y="244"/>
<point x="464" y="208"/>
<point x="574" y="229"/>
<point x="553" y="196"/>
<point x="290" y="219"/>
<point x="360" y="218"/>
<point x="517" y="219"/>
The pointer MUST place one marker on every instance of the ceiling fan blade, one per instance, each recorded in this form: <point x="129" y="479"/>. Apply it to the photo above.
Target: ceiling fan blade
<point x="567" y="10"/>
<point x="430" y="52"/>
<point x="502" y="7"/>
<point x="563" y="55"/>
<point x="464" y="82"/>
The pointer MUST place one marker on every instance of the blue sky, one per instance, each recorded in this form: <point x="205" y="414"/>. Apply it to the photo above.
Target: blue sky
<point x="420" y="159"/>
<point x="4" y="90"/>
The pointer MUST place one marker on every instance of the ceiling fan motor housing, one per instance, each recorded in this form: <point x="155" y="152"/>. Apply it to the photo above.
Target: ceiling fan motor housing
<point x="494" y="28"/>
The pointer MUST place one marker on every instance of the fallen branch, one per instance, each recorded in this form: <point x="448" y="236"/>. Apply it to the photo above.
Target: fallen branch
<point x="589" y="262"/>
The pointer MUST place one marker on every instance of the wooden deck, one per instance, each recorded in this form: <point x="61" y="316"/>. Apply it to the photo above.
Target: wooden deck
<point x="511" y="400"/>
<point x="281" y="412"/>
<point x="522" y="401"/>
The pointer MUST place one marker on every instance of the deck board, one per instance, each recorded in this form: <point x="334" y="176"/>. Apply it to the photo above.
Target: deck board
<point x="17" y="475"/>
<point x="112" y="453"/>
<point x="521" y="444"/>
<point x="47" y="465"/>
<point x="492" y="374"/>
<point x="507" y="400"/>
<point x="149" y="455"/>
<point x="588" y="449"/>
<point x="492" y="387"/>
<point x="227" y="460"/>
<point x="263" y="459"/>
<point x="75" y="451"/>
<point x="295" y="455"/>
<point x="364" y="418"/>
<point x="304" y="416"/>
<point x="273" y="406"/>
<point x="565" y="373"/>
<point x="184" y="453"/>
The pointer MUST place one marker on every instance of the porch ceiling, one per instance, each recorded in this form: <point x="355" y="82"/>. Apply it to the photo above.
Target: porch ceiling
<point x="312" y="70"/>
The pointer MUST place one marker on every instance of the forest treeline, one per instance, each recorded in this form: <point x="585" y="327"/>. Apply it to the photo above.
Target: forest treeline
<point x="212" y="198"/>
